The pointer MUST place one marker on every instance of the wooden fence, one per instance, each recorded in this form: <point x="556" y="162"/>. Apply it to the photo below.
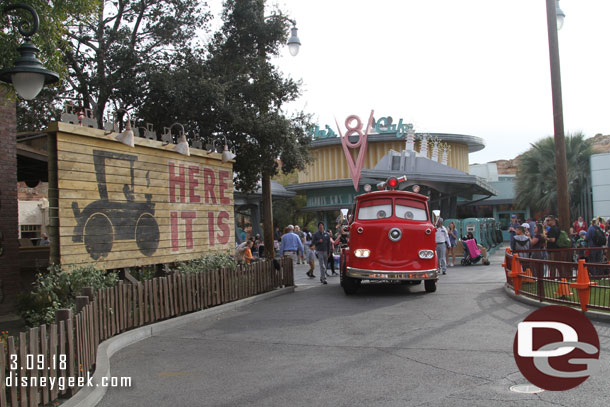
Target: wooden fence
<point x="50" y="355"/>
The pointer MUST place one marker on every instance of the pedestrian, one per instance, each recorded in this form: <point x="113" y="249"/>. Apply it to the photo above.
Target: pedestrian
<point x="552" y="235"/>
<point x="452" y="243"/>
<point x="442" y="243"/>
<point x="532" y="225"/>
<point x="44" y="241"/>
<point x="512" y="229"/>
<point x="311" y="260"/>
<point x="321" y="240"/>
<point x="301" y="235"/>
<point x="522" y="241"/>
<point x="291" y="245"/>
<point x="331" y="254"/>
<point x="579" y="225"/>
<point x="240" y="252"/>
<point x="537" y="242"/>
<point x="595" y="240"/>
<point x="581" y="243"/>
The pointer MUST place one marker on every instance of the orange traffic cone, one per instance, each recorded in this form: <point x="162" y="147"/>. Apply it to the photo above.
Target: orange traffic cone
<point x="563" y="290"/>
<point x="528" y="277"/>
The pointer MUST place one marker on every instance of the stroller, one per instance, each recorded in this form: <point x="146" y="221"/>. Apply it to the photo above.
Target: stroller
<point x="472" y="254"/>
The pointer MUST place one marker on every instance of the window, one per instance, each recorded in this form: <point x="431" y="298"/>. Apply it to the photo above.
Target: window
<point x="411" y="210"/>
<point x="30" y="231"/>
<point x="375" y="209"/>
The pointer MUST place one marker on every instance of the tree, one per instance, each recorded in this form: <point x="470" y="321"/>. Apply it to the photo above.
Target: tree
<point x="253" y="94"/>
<point x="536" y="185"/>
<point x="111" y="57"/>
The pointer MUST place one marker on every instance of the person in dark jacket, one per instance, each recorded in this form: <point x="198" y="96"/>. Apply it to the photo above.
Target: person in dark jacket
<point x="323" y="246"/>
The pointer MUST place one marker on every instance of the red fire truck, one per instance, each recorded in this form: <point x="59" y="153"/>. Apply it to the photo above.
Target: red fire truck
<point x="391" y="238"/>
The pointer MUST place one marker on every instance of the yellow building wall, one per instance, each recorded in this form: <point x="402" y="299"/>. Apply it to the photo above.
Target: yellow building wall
<point x="329" y="163"/>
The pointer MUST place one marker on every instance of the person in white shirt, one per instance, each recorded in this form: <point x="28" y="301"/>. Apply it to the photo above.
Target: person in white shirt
<point x="442" y="243"/>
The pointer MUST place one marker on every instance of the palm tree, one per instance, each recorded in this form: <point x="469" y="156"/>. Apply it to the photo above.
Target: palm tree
<point x="536" y="182"/>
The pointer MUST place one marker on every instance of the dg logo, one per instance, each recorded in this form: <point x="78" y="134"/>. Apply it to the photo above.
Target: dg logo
<point x="556" y="348"/>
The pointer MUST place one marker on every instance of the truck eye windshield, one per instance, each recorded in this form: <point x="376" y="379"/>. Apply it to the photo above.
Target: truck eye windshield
<point x="375" y="209"/>
<point x="410" y="210"/>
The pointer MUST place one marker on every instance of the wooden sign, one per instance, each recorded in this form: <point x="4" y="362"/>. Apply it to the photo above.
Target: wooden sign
<point x="123" y="207"/>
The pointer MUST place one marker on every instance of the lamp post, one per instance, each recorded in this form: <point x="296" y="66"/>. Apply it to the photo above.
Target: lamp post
<point x="266" y="196"/>
<point x="28" y="75"/>
<point x="555" y="17"/>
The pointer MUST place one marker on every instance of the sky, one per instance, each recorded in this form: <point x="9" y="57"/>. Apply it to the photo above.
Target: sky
<point x="476" y="67"/>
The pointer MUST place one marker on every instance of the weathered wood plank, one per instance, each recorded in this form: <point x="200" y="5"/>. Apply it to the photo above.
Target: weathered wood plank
<point x="44" y="349"/>
<point x="13" y="372"/>
<point x="33" y="353"/>
<point x="23" y="351"/>
<point x="155" y="297"/>
<point x="62" y="372"/>
<point x="54" y="359"/>
<point x="3" y="367"/>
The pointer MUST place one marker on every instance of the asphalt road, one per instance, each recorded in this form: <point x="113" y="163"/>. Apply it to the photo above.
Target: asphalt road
<point x="386" y="346"/>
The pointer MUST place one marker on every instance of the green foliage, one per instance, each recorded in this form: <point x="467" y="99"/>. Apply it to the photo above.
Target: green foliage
<point x="144" y="273"/>
<point x="207" y="263"/>
<point x="112" y="56"/>
<point x="536" y="181"/>
<point x="254" y="92"/>
<point x="58" y="289"/>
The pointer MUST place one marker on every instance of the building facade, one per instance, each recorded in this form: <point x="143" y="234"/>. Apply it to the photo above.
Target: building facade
<point x="436" y="162"/>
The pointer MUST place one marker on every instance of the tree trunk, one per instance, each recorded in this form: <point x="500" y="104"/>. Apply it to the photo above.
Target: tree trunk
<point x="267" y="216"/>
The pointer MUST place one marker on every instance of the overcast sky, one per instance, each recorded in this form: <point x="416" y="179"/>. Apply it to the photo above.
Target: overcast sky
<point x="478" y="67"/>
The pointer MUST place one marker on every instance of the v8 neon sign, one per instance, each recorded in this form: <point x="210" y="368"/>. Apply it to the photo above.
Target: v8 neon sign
<point x="355" y="129"/>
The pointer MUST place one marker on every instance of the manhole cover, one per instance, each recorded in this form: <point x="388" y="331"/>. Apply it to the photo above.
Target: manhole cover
<point x="526" y="388"/>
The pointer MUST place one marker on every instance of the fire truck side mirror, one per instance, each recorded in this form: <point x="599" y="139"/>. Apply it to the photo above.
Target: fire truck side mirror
<point x="435" y="215"/>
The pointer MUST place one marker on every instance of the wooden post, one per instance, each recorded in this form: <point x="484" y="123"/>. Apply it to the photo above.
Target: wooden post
<point x="89" y="292"/>
<point x="81" y="302"/>
<point x="62" y="315"/>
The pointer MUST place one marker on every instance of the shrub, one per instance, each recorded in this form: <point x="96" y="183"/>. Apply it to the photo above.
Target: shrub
<point x="144" y="273"/>
<point x="58" y="289"/>
<point x="207" y="263"/>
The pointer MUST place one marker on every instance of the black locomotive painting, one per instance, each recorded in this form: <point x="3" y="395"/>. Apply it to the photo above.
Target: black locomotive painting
<point x="103" y="222"/>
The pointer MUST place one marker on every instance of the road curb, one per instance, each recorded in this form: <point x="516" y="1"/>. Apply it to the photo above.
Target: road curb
<point x="91" y="395"/>
<point x="593" y="315"/>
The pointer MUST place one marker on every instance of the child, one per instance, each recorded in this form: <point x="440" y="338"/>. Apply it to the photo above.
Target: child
<point x="581" y="243"/>
<point x="311" y="260"/>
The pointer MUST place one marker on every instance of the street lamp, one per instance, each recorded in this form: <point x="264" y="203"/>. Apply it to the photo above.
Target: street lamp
<point x="293" y="42"/>
<point x="28" y="76"/>
<point x="555" y="17"/>
<point x="560" y="15"/>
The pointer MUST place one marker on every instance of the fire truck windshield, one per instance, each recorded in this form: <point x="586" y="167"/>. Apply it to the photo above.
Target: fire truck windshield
<point x="375" y="209"/>
<point x="410" y="210"/>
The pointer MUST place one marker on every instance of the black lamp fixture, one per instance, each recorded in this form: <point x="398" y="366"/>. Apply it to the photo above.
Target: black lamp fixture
<point x="28" y="75"/>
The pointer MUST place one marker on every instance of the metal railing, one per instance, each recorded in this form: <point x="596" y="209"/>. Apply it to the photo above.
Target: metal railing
<point x="560" y="276"/>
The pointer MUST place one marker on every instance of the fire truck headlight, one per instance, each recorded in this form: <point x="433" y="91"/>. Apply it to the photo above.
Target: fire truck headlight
<point x="426" y="254"/>
<point x="362" y="253"/>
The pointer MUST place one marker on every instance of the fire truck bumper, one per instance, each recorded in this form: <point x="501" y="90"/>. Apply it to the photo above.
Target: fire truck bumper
<point x="398" y="275"/>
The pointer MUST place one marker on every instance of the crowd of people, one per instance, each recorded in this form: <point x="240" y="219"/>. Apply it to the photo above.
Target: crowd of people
<point x="539" y="237"/>
<point x="302" y="246"/>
